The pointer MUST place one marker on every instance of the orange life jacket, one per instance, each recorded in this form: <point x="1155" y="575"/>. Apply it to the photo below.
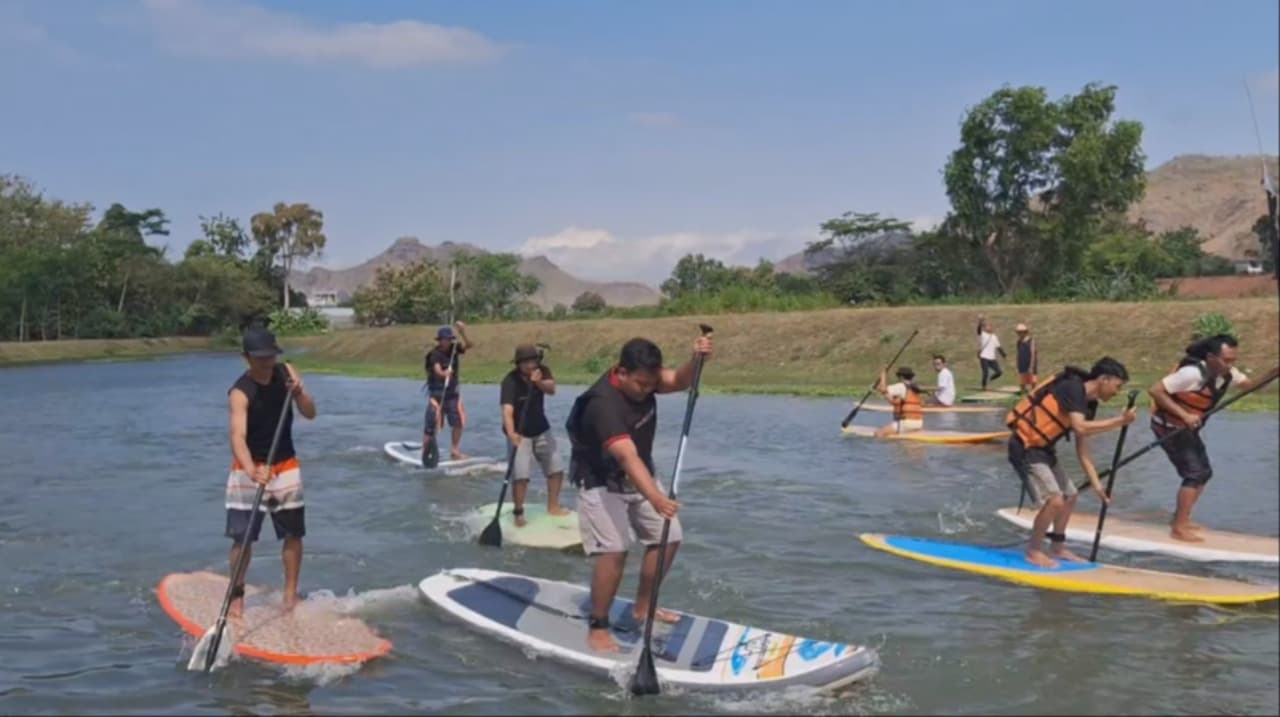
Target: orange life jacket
<point x="1197" y="402"/>
<point x="1037" y="419"/>
<point x="910" y="408"/>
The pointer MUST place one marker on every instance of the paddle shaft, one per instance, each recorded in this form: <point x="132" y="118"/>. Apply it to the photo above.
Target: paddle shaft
<point x="511" y="464"/>
<point x="242" y="559"/>
<point x="1111" y="481"/>
<point x="646" y="658"/>
<point x="865" y="396"/>
<point x="1151" y="446"/>
<point x="453" y="350"/>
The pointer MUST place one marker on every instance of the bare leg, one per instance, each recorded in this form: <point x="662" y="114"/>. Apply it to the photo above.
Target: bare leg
<point x="291" y="553"/>
<point x="1059" y="550"/>
<point x="1181" y="528"/>
<point x="553" y="495"/>
<point x="606" y="575"/>
<point x="237" y="604"/>
<point x="456" y="453"/>
<point x="1046" y="516"/>
<point x="518" y="489"/>
<point x="886" y="430"/>
<point x="648" y="574"/>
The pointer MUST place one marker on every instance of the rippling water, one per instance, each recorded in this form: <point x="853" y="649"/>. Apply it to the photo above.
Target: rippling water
<point x="113" y="477"/>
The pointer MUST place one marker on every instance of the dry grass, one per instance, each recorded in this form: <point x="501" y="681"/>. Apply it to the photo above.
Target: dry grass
<point x="12" y="352"/>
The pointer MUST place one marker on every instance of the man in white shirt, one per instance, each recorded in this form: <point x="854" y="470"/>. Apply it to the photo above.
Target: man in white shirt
<point x="944" y="394"/>
<point x="988" y="347"/>
<point x="1181" y="401"/>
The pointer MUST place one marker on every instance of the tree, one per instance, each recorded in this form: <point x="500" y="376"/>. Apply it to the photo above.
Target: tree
<point x="492" y="285"/>
<point x="291" y="233"/>
<point x="225" y="235"/>
<point x="1032" y="178"/>
<point x="1183" y="252"/>
<point x="862" y="257"/>
<point x="413" y="294"/>
<point x="695" y="274"/>
<point x="1265" y="230"/>
<point x="589" y="302"/>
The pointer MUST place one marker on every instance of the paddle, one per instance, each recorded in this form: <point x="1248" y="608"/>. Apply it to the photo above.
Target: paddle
<point x="854" y="412"/>
<point x="1115" y="460"/>
<point x="645" y="679"/>
<point x="492" y="534"/>
<point x="431" y="456"/>
<point x="1143" y="451"/>
<point x="205" y="654"/>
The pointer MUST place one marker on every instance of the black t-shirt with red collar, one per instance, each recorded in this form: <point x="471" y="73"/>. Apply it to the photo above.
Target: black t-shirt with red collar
<point x="601" y="416"/>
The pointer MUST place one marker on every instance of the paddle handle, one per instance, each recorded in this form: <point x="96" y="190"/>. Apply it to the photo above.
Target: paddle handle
<point x="1111" y="481"/>
<point x="865" y="396"/>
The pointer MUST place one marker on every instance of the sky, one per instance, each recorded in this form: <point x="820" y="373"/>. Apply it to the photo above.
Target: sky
<point x="612" y="137"/>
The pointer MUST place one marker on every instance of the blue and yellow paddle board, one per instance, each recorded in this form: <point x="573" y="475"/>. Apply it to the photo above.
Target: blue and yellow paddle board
<point x="1010" y="564"/>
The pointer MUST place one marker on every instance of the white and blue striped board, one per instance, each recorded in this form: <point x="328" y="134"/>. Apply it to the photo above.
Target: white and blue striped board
<point x="410" y="453"/>
<point x="550" y="618"/>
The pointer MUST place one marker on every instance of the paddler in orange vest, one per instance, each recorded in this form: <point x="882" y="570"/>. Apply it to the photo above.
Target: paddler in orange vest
<point x="1181" y="399"/>
<point x="907" y="400"/>
<point x="1062" y="405"/>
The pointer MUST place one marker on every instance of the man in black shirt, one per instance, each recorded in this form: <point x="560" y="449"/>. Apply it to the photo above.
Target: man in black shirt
<point x="441" y="365"/>
<point x="611" y="427"/>
<point x="521" y="398"/>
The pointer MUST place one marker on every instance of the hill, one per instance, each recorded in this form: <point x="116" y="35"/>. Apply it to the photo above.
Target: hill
<point x="558" y="286"/>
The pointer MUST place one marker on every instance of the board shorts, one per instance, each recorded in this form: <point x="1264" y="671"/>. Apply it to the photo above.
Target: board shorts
<point x="282" y="500"/>
<point x="906" y="425"/>
<point x="604" y="518"/>
<point x="454" y="413"/>
<point x="1045" y="479"/>
<point x="541" y="448"/>
<point x="1188" y="455"/>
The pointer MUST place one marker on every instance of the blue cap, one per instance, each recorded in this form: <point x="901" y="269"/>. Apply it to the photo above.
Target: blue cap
<point x="445" y="332"/>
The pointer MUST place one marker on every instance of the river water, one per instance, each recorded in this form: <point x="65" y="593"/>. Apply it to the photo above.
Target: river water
<point x="113" y="477"/>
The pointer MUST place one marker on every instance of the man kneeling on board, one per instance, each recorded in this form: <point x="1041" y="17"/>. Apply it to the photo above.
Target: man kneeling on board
<point x="1180" y="401"/>
<point x="522" y="394"/>
<point x="1061" y="406"/>
<point x="907" y="401"/>
<point x="944" y="394"/>
<point x="611" y="427"/>
<point x="255" y="402"/>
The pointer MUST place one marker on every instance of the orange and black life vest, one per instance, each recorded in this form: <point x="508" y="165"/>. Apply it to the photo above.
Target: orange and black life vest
<point x="1037" y="419"/>
<point x="1199" y="401"/>
<point x="910" y="407"/>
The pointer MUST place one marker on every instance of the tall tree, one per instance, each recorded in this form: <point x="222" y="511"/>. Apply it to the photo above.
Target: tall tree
<point x="860" y="258"/>
<point x="224" y="234"/>
<point x="290" y="234"/>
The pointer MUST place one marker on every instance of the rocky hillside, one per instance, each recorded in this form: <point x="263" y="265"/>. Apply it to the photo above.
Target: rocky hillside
<point x="558" y="286"/>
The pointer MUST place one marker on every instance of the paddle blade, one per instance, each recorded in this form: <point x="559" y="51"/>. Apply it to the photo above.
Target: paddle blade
<point x="645" y="680"/>
<point x="492" y="535"/>
<point x="213" y="649"/>
<point x="431" y="454"/>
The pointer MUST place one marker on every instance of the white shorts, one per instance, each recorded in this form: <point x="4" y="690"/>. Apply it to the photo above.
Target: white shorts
<point x="604" y="519"/>
<point x="541" y="448"/>
<point x="906" y="425"/>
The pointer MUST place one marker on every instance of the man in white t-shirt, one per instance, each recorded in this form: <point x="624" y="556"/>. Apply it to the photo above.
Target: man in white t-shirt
<point x="944" y="394"/>
<point x="1182" y="399"/>
<point x="988" y="348"/>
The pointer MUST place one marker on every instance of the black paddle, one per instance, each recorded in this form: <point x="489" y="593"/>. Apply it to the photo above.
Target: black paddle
<point x="492" y="534"/>
<point x="209" y="642"/>
<point x="431" y="454"/>
<point x="1111" y="481"/>
<point x="1144" y="450"/>
<point x="645" y="679"/>
<point x="854" y="412"/>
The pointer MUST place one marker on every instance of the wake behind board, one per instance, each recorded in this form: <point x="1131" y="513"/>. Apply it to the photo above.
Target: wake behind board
<point x="886" y="408"/>
<point x="1119" y="533"/>
<point x="411" y="453"/>
<point x="1010" y="564"/>
<point x="541" y="529"/>
<point x="925" y="436"/>
<point x="310" y="633"/>
<point x="550" y="617"/>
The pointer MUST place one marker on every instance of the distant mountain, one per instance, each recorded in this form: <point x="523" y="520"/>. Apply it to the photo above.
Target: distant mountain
<point x="558" y="286"/>
<point x="1220" y="196"/>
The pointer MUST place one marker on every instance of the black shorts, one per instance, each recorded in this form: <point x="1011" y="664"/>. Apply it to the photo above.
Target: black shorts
<point x="1187" y="454"/>
<point x="453" y="413"/>
<point x="289" y="523"/>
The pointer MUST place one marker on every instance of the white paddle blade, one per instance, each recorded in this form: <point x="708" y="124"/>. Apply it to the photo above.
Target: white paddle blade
<point x="200" y="655"/>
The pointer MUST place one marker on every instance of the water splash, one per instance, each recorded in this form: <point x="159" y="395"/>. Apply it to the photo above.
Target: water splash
<point x="368" y="602"/>
<point x="954" y="518"/>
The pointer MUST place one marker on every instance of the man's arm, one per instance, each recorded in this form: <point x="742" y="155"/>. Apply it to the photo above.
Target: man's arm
<point x="1249" y="382"/>
<point x="672" y="380"/>
<point x="438" y="368"/>
<point x="624" y="451"/>
<point x="305" y="403"/>
<point x="544" y="380"/>
<point x="1085" y="457"/>
<point x="238" y="405"/>
<point x="467" y="343"/>
<point x="509" y="422"/>
<point x="1082" y="426"/>
<point x="1164" y="400"/>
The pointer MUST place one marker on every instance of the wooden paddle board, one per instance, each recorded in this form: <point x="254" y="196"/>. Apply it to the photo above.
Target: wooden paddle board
<point x="310" y="633"/>
<point x="986" y="397"/>
<point x="1119" y="533"/>
<point x="541" y="529"/>
<point x="410" y="453"/>
<point x="1010" y="564"/>
<point x="886" y="408"/>
<point x="927" y="436"/>
<point x="549" y="619"/>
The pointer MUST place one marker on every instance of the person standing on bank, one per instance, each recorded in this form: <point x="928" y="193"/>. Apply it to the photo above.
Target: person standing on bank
<point x="988" y="348"/>
<point x="1028" y="358"/>
<point x="445" y="395"/>
<point x="611" y="428"/>
<point x="255" y="402"/>
<point x="528" y="383"/>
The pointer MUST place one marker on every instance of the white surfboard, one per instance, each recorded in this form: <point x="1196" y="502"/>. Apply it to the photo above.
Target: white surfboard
<point x="411" y="453"/>
<point x="549" y="618"/>
<point x="1119" y="533"/>
<point x="541" y="529"/>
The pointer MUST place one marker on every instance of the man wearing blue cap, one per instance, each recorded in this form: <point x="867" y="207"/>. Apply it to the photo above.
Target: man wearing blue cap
<point x="442" y="387"/>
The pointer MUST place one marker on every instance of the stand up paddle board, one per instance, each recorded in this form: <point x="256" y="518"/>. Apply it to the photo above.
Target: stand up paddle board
<point x="886" y="408"/>
<point x="925" y="436"/>
<point x="411" y="454"/>
<point x="1119" y="533"/>
<point x="541" y="529"/>
<point x="310" y="633"/>
<point x="550" y="617"/>
<point x="987" y="396"/>
<point x="1010" y="564"/>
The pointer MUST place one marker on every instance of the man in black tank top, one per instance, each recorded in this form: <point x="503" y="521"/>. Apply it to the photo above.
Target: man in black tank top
<point x="255" y="402"/>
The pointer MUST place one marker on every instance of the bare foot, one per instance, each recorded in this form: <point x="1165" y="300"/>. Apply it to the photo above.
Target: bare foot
<point x="236" y="610"/>
<point x="557" y="510"/>
<point x="520" y="521"/>
<point x="601" y="641"/>
<point x="663" y="615"/>
<point x="1063" y="554"/>
<point x="458" y="455"/>
<point x="289" y="602"/>
<point x="1036" y="557"/>
<point x="1185" y="534"/>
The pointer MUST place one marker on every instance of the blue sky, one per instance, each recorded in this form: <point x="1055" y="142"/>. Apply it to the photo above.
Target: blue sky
<point x="613" y="137"/>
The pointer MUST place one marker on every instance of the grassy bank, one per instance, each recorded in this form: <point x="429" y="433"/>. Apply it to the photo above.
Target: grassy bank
<point x="834" y="352"/>
<point x="27" y="352"/>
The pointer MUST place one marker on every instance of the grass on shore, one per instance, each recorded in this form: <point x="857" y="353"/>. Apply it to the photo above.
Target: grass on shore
<point x="29" y="352"/>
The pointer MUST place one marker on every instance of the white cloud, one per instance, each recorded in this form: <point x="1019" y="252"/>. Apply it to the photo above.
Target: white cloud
<point x="232" y="30"/>
<point x="599" y="255"/>
<point x="662" y="120"/>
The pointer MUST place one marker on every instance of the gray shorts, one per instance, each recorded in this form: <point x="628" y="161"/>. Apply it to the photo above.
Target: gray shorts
<point x="604" y="519"/>
<point x="540" y="448"/>
<point x="1047" y="480"/>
